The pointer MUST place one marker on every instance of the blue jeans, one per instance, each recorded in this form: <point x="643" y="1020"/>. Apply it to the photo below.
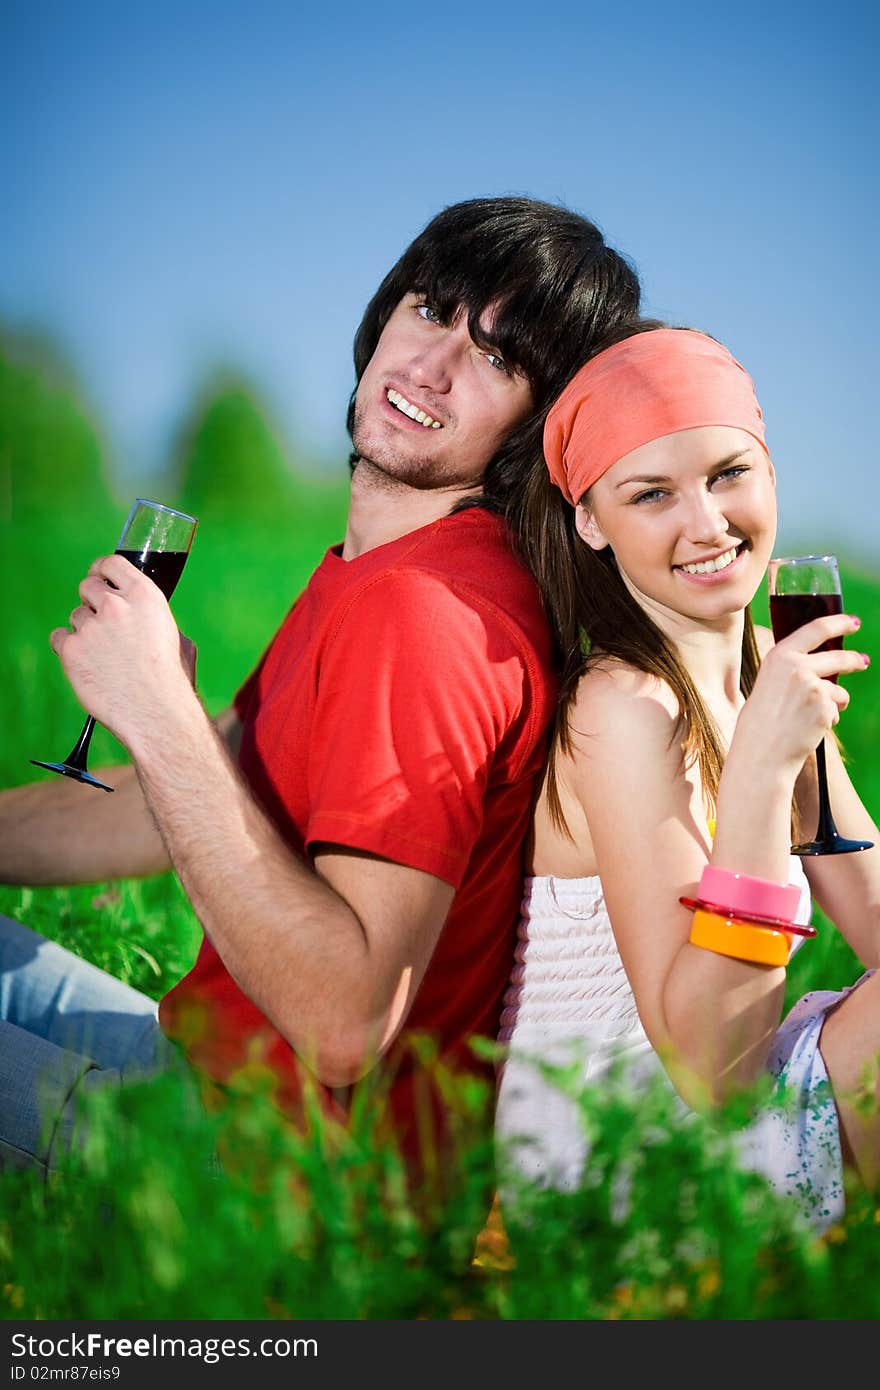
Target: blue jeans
<point x="66" y="1027"/>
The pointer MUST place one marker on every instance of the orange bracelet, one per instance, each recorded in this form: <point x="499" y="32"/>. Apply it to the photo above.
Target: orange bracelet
<point x="763" y="945"/>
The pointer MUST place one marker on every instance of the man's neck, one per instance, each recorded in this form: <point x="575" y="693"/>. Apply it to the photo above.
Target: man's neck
<point x="382" y="510"/>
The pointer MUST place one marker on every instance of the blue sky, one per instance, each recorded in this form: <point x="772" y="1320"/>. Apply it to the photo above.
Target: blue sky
<point x="190" y="185"/>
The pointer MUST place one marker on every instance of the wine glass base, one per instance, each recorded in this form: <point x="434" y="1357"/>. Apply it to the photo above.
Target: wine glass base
<point x="77" y="773"/>
<point x="835" y="844"/>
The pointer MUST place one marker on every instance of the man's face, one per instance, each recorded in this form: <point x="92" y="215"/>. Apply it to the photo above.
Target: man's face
<point x="432" y="407"/>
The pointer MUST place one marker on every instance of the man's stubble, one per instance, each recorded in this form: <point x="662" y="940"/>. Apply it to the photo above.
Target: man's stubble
<point x="394" y="468"/>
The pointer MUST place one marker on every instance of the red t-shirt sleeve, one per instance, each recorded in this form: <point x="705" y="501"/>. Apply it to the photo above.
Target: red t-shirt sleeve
<point x="421" y="689"/>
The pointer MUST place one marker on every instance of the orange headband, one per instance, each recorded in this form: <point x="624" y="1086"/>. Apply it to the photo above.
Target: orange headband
<point x="652" y="384"/>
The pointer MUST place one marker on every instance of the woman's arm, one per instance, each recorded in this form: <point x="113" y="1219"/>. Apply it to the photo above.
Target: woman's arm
<point x="710" y="1017"/>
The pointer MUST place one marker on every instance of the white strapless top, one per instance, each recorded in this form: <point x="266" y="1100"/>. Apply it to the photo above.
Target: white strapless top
<point x="568" y="979"/>
<point x="569" y="1004"/>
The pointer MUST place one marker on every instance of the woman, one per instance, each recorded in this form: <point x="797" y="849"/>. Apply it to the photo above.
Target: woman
<point x="684" y="739"/>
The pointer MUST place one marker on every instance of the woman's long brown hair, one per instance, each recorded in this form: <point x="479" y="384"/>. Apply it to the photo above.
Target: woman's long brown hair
<point x="593" y="616"/>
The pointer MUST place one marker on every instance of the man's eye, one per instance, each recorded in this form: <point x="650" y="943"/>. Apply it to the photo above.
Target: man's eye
<point x="428" y="312"/>
<point x="497" y="362"/>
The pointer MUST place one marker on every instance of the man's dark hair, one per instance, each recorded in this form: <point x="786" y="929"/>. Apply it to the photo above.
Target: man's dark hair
<point x="558" y="290"/>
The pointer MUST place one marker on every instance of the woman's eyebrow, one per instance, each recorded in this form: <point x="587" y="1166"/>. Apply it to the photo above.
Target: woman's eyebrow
<point x="655" y="478"/>
<point x="645" y="478"/>
<point x="732" y="458"/>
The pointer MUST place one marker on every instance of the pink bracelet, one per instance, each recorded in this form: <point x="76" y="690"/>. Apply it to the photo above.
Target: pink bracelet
<point x="742" y="894"/>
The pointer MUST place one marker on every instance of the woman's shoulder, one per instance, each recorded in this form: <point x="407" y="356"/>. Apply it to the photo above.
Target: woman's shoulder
<point x="611" y="687"/>
<point x="626" y="737"/>
<point x="622" y="711"/>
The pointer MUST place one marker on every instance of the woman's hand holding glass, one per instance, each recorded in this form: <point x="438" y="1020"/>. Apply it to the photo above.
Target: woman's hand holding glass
<point x="803" y="587"/>
<point x="796" y="701"/>
<point x="796" y="690"/>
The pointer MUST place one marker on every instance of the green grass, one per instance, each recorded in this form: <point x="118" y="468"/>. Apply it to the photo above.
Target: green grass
<point x="182" y="1209"/>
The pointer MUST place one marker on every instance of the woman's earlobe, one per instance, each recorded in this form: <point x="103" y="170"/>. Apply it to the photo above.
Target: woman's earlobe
<point x="588" y="528"/>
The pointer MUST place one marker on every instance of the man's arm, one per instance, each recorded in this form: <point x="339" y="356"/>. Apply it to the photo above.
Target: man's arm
<point x="59" y="832"/>
<point x="332" y="955"/>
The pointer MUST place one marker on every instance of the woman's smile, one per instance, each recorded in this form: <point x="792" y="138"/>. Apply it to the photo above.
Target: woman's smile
<point x="717" y="569"/>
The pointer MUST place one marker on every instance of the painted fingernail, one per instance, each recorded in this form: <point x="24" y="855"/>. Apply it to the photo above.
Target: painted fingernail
<point x="856" y="622"/>
<point x="866" y="660"/>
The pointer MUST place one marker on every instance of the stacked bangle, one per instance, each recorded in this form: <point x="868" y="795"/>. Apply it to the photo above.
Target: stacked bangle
<point x="752" y="919"/>
<point x="756" y="922"/>
<point x="727" y="936"/>
<point x="743" y="894"/>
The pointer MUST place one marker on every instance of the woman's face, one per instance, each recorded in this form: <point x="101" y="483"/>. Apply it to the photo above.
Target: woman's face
<point x="691" y="519"/>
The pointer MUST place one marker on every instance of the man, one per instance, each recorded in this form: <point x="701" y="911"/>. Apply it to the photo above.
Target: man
<point x="349" y="832"/>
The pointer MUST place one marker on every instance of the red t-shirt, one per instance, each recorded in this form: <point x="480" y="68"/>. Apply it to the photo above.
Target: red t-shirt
<point x="401" y="709"/>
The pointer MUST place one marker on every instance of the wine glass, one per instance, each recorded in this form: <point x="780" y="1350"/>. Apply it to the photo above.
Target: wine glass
<point x="801" y="588"/>
<point x="155" y="539"/>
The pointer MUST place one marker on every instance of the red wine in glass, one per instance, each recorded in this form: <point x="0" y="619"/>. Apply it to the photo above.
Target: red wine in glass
<point x="155" y="539"/>
<point x="164" y="567"/>
<point x="802" y="588"/>
<point x="791" y="611"/>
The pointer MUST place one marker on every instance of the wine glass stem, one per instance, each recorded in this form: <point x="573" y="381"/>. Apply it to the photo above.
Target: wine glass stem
<point x="78" y="756"/>
<point x="826" y="829"/>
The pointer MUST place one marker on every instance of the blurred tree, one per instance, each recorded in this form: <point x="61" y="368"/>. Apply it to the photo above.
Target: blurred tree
<point x="51" y="466"/>
<point x="232" y="467"/>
